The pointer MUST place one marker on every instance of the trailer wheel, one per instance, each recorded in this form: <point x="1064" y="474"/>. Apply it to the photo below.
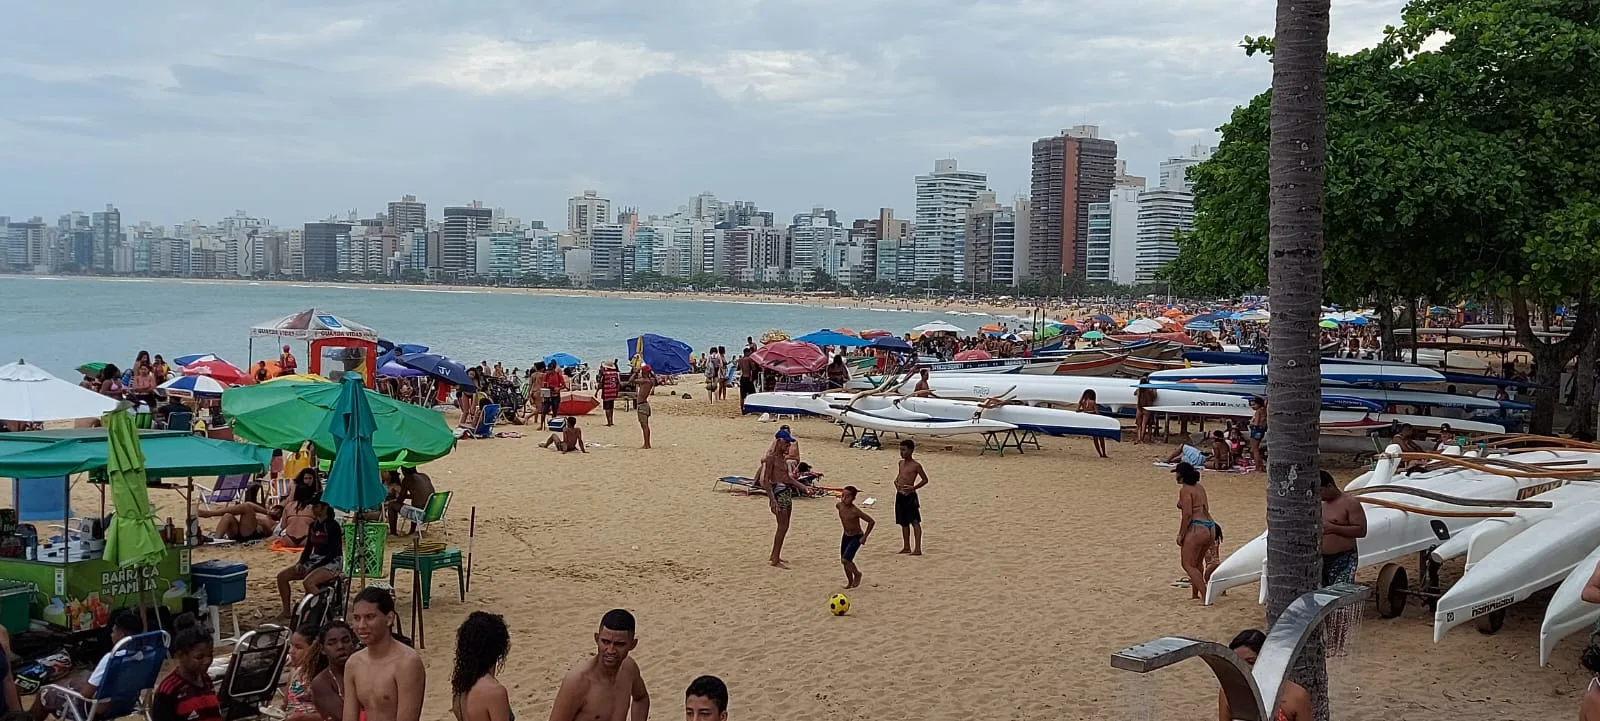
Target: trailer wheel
<point x="1392" y="590"/>
<point x="1491" y="623"/>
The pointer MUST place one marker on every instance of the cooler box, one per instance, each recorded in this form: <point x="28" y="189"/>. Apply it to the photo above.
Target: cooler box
<point x="15" y="600"/>
<point x="223" y="581"/>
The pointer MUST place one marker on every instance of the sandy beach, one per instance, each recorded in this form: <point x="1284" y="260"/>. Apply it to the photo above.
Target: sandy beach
<point x="1038" y="567"/>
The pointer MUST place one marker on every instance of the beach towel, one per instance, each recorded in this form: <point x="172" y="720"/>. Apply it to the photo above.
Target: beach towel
<point x="279" y="545"/>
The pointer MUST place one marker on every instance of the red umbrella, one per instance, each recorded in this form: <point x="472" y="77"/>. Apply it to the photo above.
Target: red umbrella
<point x="874" y="333"/>
<point x="790" y="358"/>
<point x="218" y="369"/>
<point x="974" y="354"/>
<point x="846" y="331"/>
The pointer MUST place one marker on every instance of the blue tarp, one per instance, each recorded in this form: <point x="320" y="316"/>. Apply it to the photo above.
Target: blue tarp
<point x="665" y="356"/>
<point x="825" y="337"/>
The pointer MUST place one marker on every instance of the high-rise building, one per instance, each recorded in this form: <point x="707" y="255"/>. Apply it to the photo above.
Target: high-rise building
<point x="1070" y="171"/>
<point x="25" y="244"/>
<point x="997" y="238"/>
<point x="1175" y="170"/>
<point x="943" y="198"/>
<point x="458" y="251"/>
<point x="741" y="213"/>
<point x="609" y="257"/>
<point x="324" y="245"/>
<point x="811" y="239"/>
<point x="870" y="233"/>
<point x="586" y="211"/>
<point x="107" y="227"/>
<point x="1163" y="214"/>
<point x="406" y="214"/>
<point x="1124" y="180"/>
<point x="1114" y="237"/>
<point x="499" y="255"/>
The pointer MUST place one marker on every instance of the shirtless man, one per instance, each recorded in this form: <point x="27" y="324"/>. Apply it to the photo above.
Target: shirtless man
<point x="608" y="686"/>
<point x="1343" y="521"/>
<point x="907" y="507"/>
<point x="851" y="516"/>
<point x="384" y="681"/>
<point x="644" y="383"/>
<point x="571" y="438"/>
<point x="414" y="489"/>
<point x="773" y="478"/>
<point x="1221" y="455"/>
<point x="922" y="388"/>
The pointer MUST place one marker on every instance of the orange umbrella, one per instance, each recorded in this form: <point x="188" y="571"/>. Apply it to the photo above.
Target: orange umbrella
<point x="846" y="331"/>
<point x="991" y="329"/>
<point x="875" y="333"/>
<point x="1172" y="313"/>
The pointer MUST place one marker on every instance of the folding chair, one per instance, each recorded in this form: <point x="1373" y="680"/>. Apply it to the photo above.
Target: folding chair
<point x="180" y="421"/>
<point x="485" y="429"/>
<point x="317" y="608"/>
<point x="430" y="513"/>
<point x="250" y="679"/>
<point x="133" y="669"/>
<point x="229" y="489"/>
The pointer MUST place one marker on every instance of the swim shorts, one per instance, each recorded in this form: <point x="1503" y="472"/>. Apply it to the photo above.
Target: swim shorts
<point x="848" y="545"/>
<point x="1258" y="432"/>
<point x="784" y="497"/>
<point x="608" y="404"/>
<point x="1339" y="567"/>
<point x="643" y="409"/>
<point x="552" y="404"/>
<point x="907" y="509"/>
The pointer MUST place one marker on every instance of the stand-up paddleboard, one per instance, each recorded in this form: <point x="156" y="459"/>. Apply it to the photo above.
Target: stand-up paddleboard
<point x="1347" y="372"/>
<point x="1568" y="613"/>
<point x="1531" y="561"/>
<point x="1384" y="396"/>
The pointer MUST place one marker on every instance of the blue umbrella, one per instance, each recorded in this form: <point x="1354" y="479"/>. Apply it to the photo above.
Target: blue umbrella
<point x="1358" y="320"/>
<point x="890" y="342"/>
<point x="387" y="350"/>
<point x="438" y="366"/>
<point x="825" y="337"/>
<point x="1103" y="318"/>
<point x="562" y="360"/>
<point x="395" y="370"/>
<point x="1200" y="325"/>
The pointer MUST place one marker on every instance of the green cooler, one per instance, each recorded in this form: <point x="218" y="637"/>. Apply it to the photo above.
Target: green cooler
<point x="15" y="601"/>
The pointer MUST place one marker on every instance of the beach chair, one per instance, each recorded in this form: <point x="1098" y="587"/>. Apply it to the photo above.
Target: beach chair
<point x="180" y="421"/>
<point x="485" y="429"/>
<point x="229" y="489"/>
<point x="251" y="675"/>
<point x="133" y="669"/>
<point x="430" y="513"/>
<point x="318" y="608"/>
<point x="41" y="499"/>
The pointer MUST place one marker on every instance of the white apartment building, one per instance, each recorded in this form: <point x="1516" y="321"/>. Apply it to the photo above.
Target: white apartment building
<point x="943" y="198"/>
<point x="1163" y="213"/>
<point x="1114" y="237"/>
<point x="586" y="211"/>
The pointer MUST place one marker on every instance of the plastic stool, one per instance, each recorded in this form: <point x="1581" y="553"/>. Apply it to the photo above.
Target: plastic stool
<point x="425" y="564"/>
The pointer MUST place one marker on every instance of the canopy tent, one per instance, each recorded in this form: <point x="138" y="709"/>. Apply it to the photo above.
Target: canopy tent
<point x="790" y="358"/>
<point x="132" y="538"/>
<point x="938" y="326"/>
<point x="824" y="338"/>
<point x="285" y="414"/>
<point x="313" y="324"/>
<point x="30" y="394"/>
<point x="665" y="356"/>
<point x="562" y="360"/>
<point x="167" y="454"/>
<point x="438" y="366"/>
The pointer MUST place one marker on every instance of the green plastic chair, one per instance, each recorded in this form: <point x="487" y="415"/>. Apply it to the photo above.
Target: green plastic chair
<point x="424" y="564"/>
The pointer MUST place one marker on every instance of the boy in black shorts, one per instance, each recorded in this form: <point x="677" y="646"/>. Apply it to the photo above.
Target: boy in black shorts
<point x="854" y="535"/>
<point x="909" y="479"/>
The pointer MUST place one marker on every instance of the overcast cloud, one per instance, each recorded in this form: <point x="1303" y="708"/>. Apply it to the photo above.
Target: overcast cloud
<point x="295" y="110"/>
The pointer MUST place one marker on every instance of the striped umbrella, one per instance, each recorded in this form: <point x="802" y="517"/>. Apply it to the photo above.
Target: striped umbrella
<point x="196" y="386"/>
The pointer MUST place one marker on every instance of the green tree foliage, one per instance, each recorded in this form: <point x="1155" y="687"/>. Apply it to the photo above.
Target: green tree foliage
<point x="1463" y="161"/>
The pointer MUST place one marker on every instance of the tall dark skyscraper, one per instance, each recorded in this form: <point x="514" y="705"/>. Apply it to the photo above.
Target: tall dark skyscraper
<point x="1070" y="171"/>
<point x="321" y="242"/>
<point x="406" y="214"/>
<point x="458" y="237"/>
<point x="107" y="227"/>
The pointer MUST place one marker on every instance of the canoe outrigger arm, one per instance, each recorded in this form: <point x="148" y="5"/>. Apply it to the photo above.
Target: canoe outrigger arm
<point x="1246" y="688"/>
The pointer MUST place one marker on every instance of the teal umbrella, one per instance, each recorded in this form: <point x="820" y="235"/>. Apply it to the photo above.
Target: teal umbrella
<point x="353" y="481"/>
<point x="132" y="539"/>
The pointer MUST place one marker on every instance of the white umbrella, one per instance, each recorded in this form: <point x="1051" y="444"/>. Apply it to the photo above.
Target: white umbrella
<point x="1143" y="326"/>
<point x="30" y="394"/>
<point x="937" y="326"/>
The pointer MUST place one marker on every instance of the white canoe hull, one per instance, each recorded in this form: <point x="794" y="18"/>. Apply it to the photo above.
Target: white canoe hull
<point x="1531" y="561"/>
<point x="1392" y="533"/>
<point x="1493" y="533"/>
<point x="1348" y="372"/>
<point x="889" y="424"/>
<point x="1050" y="421"/>
<point x="1216" y="404"/>
<point x="1567" y="612"/>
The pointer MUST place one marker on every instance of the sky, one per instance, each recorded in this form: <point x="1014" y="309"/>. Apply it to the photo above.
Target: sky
<point x="299" y="109"/>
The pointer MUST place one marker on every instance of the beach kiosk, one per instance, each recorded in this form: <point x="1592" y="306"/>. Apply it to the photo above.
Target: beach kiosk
<point x="334" y="345"/>
<point x="60" y="550"/>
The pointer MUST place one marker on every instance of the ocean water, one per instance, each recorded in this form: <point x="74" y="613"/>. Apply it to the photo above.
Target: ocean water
<point x="60" y="323"/>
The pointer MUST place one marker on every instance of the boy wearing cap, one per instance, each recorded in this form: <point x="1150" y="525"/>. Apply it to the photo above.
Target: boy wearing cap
<point x="850" y="516"/>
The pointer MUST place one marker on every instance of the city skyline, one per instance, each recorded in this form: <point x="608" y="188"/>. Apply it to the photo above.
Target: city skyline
<point x="302" y="110"/>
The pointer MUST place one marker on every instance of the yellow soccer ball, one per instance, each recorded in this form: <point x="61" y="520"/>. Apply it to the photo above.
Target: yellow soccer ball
<point x="839" y="604"/>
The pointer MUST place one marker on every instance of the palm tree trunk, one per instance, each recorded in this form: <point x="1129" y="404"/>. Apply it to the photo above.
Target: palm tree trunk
<point x="1294" y="272"/>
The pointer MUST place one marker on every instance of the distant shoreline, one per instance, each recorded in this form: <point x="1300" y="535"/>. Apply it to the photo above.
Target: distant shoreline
<point x="876" y="303"/>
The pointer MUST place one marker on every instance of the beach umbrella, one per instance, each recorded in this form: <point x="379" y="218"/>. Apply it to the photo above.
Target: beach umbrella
<point x="300" y="378"/>
<point x="395" y="370"/>
<point x="1199" y="326"/>
<point x="285" y="413"/>
<point x="1047" y="332"/>
<point x="1143" y="325"/>
<point x="1358" y="320"/>
<point x="891" y="343"/>
<point x="92" y="369"/>
<point x="562" y="360"/>
<point x="1254" y="316"/>
<point x="132" y="538"/>
<point x="1103" y="318"/>
<point x="30" y="394"/>
<point x="846" y="331"/>
<point x="974" y="354"/>
<point x="219" y="369"/>
<point x="1093" y="335"/>
<point x="824" y="338"/>
<point x="189" y="358"/>
<point x="438" y="366"/>
<point x="871" y="333"/>
<point x="1329" y="324"/>
<point x="353" y="484"/>
<point x="193" y="387"/>
<point x="938" y="326"/>
<point x="790" y="358"/>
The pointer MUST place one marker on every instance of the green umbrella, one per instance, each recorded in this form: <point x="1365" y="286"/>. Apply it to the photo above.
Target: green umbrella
<point x="353" y="482"/>
<point x="132" y="539"/>
<point x="92" y="369"/>
<point x="1093" y="335"/>
<point x="1049" y="331"/>
<point x="285" y="414"/>
<point x="1328" y="324"/>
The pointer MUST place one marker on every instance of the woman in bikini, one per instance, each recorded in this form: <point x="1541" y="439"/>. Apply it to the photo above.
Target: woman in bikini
<point x="482" y="644"/>
<point x="1294" y="703"/>
<point x="250" y="520"/>
<point x="1198" y="533"/>
<point x="1088" y="404"/>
